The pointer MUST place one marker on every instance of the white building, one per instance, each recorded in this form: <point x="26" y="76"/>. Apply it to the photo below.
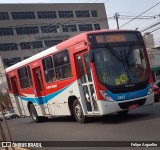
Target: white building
<point x="154" y="55"/>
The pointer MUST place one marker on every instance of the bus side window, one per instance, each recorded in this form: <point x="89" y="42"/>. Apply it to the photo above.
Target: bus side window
<point x="62" y="65"/>
<point x="25" y="78"/>
<point x="48" y="68"/>
<point x="8" y="81"/>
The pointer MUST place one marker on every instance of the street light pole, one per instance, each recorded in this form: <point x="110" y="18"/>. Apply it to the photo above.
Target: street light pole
<point x="116" y="16"/>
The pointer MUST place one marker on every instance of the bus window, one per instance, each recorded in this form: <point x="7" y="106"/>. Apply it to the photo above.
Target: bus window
<point x="8" y="81"/>
<point x="62" y="65"/>
<point x="25" y="77"/>
<point x="81" y="69"/>
<point x="87" y="63"/>
<point x="48" y="69"/>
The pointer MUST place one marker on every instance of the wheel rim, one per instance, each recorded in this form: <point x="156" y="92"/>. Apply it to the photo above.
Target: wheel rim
<point x="78" y="111"/>
<point x="33" y="113"/>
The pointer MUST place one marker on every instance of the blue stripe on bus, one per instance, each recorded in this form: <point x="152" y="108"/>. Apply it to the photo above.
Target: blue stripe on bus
<point x="128" y="95"/>
<point x="44" y="99"/>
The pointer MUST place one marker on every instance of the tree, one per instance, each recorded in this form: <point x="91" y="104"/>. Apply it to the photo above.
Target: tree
<point x="5" y="101"/>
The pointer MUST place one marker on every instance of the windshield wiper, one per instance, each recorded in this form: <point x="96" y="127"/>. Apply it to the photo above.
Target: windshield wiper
<point x="113" y="52"/>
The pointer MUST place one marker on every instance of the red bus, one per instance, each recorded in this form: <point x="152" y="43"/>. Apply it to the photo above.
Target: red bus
<point x="92" y="74"/>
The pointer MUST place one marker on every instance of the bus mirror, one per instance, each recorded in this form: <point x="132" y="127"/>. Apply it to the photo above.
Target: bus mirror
<point x="91" y="56"/>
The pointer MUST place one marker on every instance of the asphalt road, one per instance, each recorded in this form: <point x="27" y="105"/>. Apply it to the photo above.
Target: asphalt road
<point x="142" y="124"/>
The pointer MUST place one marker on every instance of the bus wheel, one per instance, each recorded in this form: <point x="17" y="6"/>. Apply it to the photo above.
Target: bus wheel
<point x="78" y="112"/>
<point x="33" y="114"/>
<point x="123" y="113"/>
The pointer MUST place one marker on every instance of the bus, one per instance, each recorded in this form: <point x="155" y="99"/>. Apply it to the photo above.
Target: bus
<point x="92" y="74"/>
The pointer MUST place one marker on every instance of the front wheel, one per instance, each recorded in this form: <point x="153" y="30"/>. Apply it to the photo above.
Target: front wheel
<point x="34" y="114"/>
<point x="78" y="112"/>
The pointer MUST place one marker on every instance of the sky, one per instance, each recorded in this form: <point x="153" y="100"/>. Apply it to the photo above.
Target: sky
<point x="127" y="9"/>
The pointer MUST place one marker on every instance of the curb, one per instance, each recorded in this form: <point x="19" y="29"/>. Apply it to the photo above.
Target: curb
<point x="16" y="148"/>
<point x="19" y="148"/>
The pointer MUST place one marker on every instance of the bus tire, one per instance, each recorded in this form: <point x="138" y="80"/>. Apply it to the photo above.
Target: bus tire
<point x="34" y="114"/>
<point x="78" y="112"/>
<point x="123" y="113"/>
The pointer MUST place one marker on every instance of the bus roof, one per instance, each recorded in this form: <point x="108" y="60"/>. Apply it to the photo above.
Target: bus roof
<point x="76" y="39"/>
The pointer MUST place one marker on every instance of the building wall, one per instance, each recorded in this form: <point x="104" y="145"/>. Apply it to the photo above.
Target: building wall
<point x="149" y="41"/>
<point x="2" y="76"/>
<point x="13" y="56"/>
<point x="154" y="56"/>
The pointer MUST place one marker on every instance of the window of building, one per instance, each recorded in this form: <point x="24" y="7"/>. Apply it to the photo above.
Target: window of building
<point x="26" y="57"/>
<point x="51" y="43"/>
<point x="8" y="46"/>
<point x="65" y="14"/>
<point x="62" y="65"/>
<point x="25" y="45"/>
<point x="37" y="44"/>
<point x="11" y="61"/>
<point x="25" y="77"/>
<point x="4" y="16"/>
<point x="82" y="13"/>
<point x="97" y="27"/>
<point x="46" y="14"/>
<point x="94" y="13"/>
<point x="49" y="29"/>
<point x="69" y="28"/>
<point x="6" y="31"/>
<point x="27" y="30"/>
<point x="85" y="27"/>
<point x="48" y="69"/>
<point x="23" y="15"/>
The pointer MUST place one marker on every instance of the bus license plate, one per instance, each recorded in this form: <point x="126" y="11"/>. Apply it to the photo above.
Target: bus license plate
<point x="134" y="106"/>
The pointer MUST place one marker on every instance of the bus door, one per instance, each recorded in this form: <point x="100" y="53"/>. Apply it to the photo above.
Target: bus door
<point x="39" y="88"/>
<point x="15" y="98"/>
<point x="87" y="82"/>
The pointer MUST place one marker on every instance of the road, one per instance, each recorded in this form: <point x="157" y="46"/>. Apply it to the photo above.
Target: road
<point x="142" y="124"/>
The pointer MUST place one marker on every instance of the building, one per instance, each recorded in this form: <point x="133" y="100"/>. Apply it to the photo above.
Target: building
<point x="155" y="62"/>
<point x="154" y="55"/>
<point x="27" y="29"/>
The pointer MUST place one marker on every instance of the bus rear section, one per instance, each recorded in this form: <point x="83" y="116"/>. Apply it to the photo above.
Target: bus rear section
<point x="14" y="92"/>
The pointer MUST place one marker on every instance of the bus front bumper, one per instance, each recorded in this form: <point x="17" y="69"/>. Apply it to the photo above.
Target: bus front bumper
<point x="116" y="106"/>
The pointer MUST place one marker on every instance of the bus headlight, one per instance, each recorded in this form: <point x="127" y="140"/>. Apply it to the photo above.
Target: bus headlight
<point x="106" y="96"/>
<point x="150" y="89"/>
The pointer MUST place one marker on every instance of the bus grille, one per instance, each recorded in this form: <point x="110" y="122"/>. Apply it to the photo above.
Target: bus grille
<point x="126" y="105"/>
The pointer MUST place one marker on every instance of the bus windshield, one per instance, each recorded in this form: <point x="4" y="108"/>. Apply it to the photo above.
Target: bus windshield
<point x="121" y="65"/>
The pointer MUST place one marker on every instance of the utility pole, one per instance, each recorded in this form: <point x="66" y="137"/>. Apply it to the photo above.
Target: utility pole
<point x="31" y="44"/>
<point x="116" y="16"/>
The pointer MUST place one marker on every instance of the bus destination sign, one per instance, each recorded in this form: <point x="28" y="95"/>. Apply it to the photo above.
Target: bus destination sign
<point x="115" y="37"/>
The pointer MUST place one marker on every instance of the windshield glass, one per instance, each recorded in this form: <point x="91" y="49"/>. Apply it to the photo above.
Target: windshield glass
<point x="121" y="65"/>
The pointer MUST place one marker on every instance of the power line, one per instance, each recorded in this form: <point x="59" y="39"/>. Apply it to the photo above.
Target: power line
<point x="140" y="14"/>
<point x="151" y="26"/>
<point x="155" y="30"/>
